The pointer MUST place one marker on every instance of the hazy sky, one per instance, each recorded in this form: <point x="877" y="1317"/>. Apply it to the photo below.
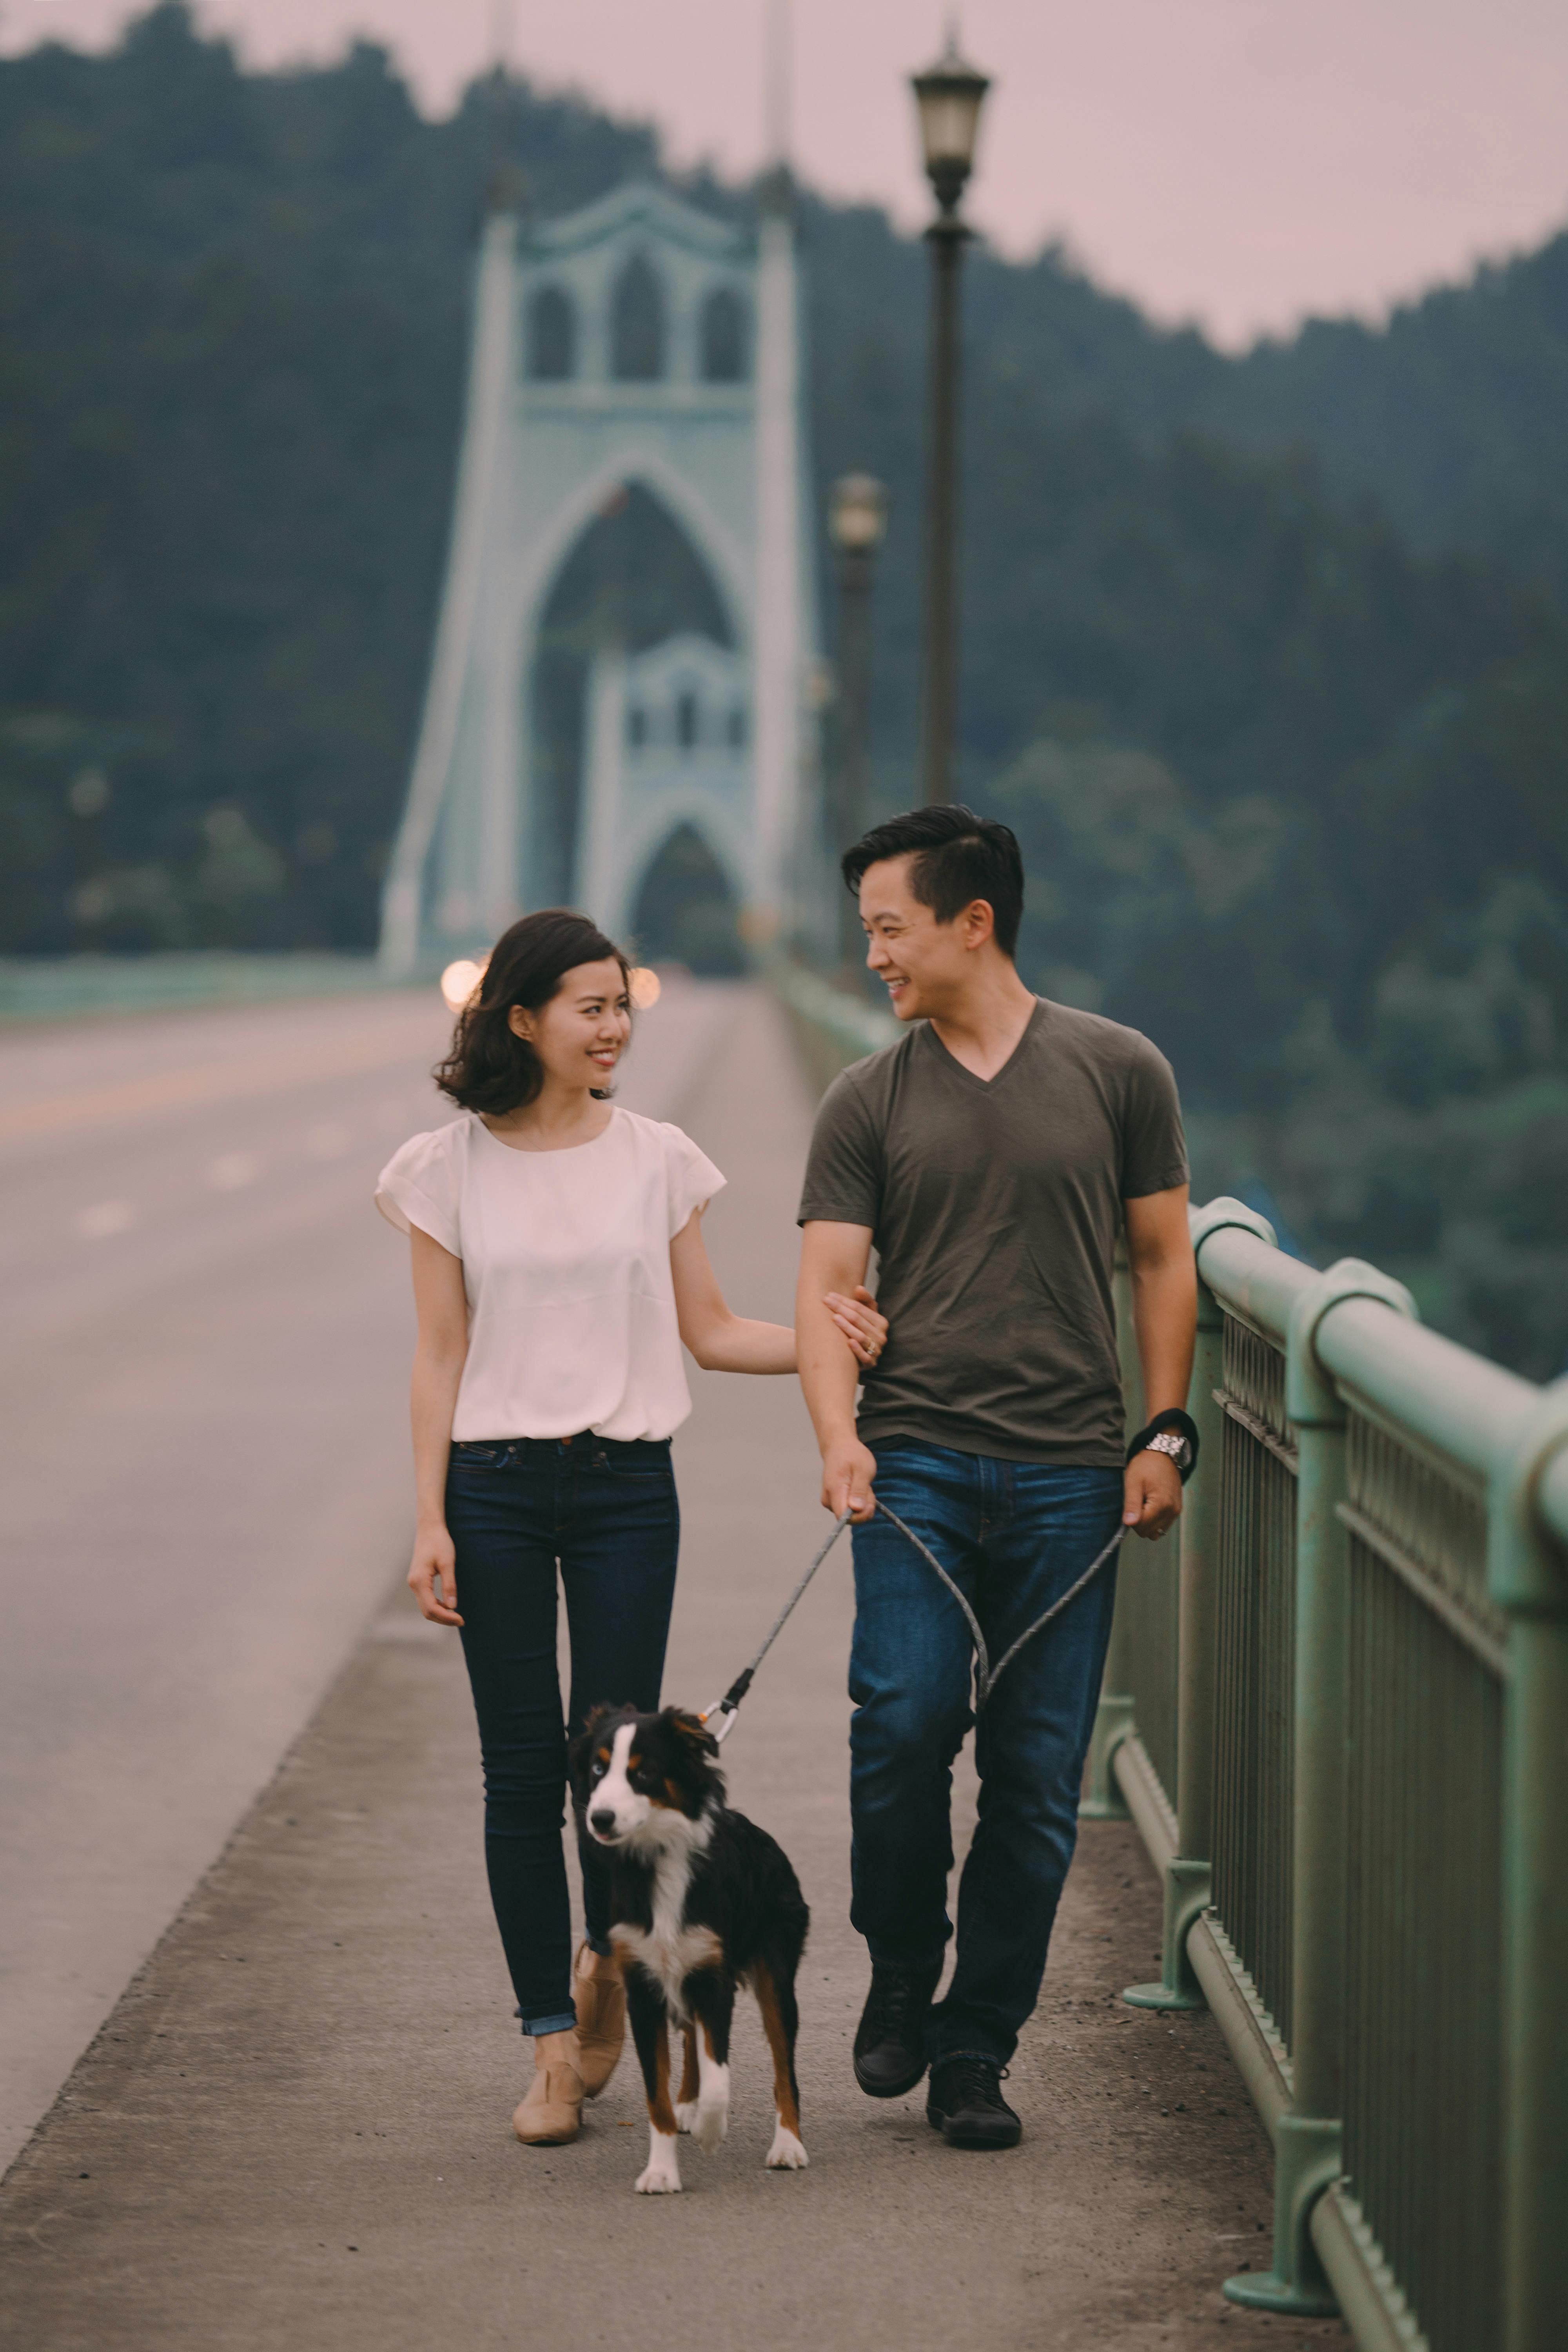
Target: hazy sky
<point x="1243" y="162"/>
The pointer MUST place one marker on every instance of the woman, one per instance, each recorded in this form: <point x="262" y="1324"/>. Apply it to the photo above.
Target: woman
<point x="558" y="1266"/>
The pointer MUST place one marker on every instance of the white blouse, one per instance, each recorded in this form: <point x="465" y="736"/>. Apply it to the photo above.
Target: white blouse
<point x="572" y="1322"/>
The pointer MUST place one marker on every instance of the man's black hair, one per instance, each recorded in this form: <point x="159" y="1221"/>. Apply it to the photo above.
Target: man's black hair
<point x="955" y="858"/>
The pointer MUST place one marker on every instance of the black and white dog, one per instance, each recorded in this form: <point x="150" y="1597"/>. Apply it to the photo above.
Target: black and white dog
<point x="703" y="1902"/>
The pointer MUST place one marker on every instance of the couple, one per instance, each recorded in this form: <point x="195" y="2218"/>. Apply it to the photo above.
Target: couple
<point x="991" y="1156"/>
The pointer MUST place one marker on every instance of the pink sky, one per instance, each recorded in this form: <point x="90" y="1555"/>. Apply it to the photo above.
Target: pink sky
<point x="1240" y="162"/>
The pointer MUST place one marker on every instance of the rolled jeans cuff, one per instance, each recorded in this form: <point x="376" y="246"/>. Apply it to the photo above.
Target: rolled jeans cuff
<point x="564" y="2021"/>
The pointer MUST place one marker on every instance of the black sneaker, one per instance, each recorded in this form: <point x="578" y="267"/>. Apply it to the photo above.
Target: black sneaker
<point x="890" y="2042"/>
<point x="965" y="2103"/>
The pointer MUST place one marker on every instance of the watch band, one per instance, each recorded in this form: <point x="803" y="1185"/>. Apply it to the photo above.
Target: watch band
<point x="1180" y="1435"/>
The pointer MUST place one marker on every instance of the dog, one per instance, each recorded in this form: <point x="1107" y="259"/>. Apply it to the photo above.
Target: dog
<point x="703" y="1902"/>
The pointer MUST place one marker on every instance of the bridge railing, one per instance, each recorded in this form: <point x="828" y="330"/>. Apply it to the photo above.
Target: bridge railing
<point x="1336" y="1707"/>
<point x="831" y="1028"/>
<point x="1359" y="1817"/>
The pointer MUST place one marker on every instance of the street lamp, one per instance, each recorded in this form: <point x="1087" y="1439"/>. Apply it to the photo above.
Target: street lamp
<point x="857" y="524"/>
<point x="948" y="96"/>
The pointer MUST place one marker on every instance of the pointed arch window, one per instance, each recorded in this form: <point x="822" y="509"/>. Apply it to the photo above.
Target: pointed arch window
<point x="551" y="336"/>
<point x="726" y="341"/>
<point x="637" y="324"/>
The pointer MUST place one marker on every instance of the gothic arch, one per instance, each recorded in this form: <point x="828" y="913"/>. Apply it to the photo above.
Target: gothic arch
<point x="726" y="338"/>
<point x="684" y="904"/>
<point x="639" y="468"/>
<point x="551" y="336"/>
<point x="631" y="578"/>
<point x="637" y="323"/>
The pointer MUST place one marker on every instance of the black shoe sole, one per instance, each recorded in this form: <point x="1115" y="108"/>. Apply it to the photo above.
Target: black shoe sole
<point x="889" y="2090"/>
<point x="1006" y="2132"/>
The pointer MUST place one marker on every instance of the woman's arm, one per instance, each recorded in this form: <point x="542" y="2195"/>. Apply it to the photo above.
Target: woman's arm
<point x="723" y="1342"/>
<point x="442" y="1307"/>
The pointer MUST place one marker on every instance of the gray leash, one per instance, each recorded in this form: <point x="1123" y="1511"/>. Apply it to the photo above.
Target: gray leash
<point x="743" y="1683"/>
<point x="986" y="1676"/>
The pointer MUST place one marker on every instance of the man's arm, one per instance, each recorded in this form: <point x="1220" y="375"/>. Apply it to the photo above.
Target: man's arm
<point x="834" y="1258"/>
<point x="1164" y="1317"/>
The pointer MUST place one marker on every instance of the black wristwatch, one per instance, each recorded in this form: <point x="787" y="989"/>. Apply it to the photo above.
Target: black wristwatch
<point x="1174" y="1434"/>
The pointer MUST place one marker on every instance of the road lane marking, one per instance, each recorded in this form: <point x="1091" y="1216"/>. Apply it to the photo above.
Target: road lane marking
<point x="104" y="1218"/>
<point x="221" y="1082"/>
<point x="233" y="1170"/>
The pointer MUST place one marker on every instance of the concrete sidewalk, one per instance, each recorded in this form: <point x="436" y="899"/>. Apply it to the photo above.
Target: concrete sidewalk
<point x="293" y="2131"/>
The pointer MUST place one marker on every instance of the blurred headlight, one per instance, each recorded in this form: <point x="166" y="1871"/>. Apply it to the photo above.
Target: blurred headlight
<point x="460" y="981"/>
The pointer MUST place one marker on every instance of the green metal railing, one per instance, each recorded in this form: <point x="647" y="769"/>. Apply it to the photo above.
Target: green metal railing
<point x="39" y="988"/>
<point x="831" y="1029"/>
<point x="1336" y="1707"/>
<point x="1363" y="1848"/>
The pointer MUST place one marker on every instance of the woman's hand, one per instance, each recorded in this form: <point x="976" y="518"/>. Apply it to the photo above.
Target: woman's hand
<point x="857" y="1317"/>
<point x="435" y="1558"/>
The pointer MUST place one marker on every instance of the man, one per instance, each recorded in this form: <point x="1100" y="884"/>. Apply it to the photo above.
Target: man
<point x="991" y="1156"/>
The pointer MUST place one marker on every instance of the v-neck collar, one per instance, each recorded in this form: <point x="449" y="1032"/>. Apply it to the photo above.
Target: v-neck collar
<point x="988" y="1086"/>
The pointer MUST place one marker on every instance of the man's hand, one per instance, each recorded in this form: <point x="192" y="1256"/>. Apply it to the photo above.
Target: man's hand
<point x="1152" y="1492"/>
<point x="847" y="1470"/>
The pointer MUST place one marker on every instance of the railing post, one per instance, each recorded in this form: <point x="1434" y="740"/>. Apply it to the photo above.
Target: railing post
<point x="1307" y="2137"/>
<point x="1528" y="1577"/>
<point x="1102" y="1800"/>
<point x="1188" y="1876"/>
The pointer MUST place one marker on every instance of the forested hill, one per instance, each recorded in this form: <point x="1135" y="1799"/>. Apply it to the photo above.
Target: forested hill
<point x="1265" y="656"/>
<point x="1451" y="412"/>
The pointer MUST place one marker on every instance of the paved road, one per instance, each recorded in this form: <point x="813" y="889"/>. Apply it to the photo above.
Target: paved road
<point x="204" y="1491"/>
<point x="292" y="2135"/>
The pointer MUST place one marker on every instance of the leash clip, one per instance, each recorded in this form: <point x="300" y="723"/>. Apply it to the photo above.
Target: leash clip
<point x="726" y="1724"/>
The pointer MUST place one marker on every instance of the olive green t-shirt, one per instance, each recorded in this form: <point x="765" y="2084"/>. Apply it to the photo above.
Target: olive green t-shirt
<point x="995" y="1206"/>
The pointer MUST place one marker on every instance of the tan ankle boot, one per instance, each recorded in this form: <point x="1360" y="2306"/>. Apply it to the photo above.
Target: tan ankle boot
<point x="552" y="2112"/>
<point x="601" y="1999"/>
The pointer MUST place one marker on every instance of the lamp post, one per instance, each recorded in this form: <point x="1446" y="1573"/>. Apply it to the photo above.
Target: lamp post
<point x="948" y="96"/>
<point x="857" y="524"/>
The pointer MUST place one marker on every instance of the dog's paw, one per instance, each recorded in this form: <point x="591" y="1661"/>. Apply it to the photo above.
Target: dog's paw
<point x="662" y="2176"/>
<point x="708" y="2124"/>
<point x="685" y="2113"/>
<point x="786" y="2154"/>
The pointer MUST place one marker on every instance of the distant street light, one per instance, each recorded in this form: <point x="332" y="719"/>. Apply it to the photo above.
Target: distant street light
<point x="856" y="523"/>
<point x="948" y="96"/>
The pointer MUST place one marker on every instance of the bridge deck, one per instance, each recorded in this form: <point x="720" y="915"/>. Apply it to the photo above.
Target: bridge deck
<point x="294" y="2129"/>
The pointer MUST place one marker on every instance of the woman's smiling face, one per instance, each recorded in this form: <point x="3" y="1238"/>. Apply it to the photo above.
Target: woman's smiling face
<point x="582" y="1032"/>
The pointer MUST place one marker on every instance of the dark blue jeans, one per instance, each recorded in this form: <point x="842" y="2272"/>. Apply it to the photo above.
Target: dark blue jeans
<point x="607" y="1512"/>
<point x="1013" y="1536"/>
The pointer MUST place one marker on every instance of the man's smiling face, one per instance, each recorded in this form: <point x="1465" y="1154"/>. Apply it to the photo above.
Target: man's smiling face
<point x="923" y="964"/>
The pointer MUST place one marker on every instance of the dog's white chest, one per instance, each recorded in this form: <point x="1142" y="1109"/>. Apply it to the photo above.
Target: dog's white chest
<point x="672" y="1946"/>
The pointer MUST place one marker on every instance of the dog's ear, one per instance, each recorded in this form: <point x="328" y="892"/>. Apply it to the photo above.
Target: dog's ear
<point x="692" y="1729"/>
<point x="587" y="1739"/>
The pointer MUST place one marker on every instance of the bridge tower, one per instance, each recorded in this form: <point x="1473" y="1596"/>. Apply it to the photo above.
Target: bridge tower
<point x="620" y="707"/>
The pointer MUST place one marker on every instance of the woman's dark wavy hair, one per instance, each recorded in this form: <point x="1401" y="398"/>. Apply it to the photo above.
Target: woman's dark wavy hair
<point x="488" y="1067"/>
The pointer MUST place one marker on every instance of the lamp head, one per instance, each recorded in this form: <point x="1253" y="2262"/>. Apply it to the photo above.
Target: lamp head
<point x="857" y="513"/>
<point x="948" y="96"/>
